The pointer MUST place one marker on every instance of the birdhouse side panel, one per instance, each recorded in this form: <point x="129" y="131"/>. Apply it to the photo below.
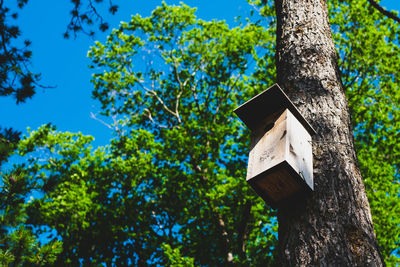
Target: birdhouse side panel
<point x="299" y="154"/>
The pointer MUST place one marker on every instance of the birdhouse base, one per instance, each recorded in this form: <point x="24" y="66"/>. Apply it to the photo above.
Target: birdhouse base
<point x="278" y="185"/>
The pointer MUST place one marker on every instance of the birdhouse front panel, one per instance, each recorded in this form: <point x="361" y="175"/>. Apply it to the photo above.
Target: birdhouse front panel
<point x="268" y="145"/>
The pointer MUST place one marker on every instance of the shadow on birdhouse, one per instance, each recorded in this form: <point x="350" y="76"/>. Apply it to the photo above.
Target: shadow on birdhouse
<point x="280" y="160"/>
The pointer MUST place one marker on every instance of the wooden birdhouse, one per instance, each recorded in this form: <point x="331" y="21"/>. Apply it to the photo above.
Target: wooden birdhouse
<point x="280" y="160"/>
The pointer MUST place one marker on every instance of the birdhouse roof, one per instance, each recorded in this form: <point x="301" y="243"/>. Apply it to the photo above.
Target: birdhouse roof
<point x="266" y="103"/>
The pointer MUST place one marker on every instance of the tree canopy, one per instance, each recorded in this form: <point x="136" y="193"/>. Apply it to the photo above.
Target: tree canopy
<point x="169" y="189"/>
<point x="17" y="79"/>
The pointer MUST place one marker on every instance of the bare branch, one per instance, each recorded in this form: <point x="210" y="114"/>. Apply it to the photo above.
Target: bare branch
<point x="93" y="116"/>
<point x="223" y="100"/>
<point x="193" y="88"/>
<point x="181" y="88"/>
<point x="178" y="97"/>
<point x="388" y="14"/>
<point x="148" y="115"/>
<point x="152" y="92"/>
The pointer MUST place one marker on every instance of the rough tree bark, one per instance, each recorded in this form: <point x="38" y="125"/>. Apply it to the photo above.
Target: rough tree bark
<point x="333" y="226"/>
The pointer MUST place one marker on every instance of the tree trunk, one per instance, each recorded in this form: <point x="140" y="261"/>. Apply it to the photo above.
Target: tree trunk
<point x="333" y="226"/>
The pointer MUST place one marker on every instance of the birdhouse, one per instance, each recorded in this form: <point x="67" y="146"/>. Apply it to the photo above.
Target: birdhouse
<point x="280" y="160"/>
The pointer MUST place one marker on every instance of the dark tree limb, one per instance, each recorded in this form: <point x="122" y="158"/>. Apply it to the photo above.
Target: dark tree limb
<point x="246" y="211"/>
<point x="388" y="14"/>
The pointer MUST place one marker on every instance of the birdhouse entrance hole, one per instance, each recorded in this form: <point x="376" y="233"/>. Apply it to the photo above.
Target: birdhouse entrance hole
<point x="269" y="127"/>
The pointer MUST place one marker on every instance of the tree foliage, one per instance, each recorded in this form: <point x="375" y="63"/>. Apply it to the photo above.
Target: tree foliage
<point x="17" y="79"/>
<point x="170" y="175"/>
<point x="169" y="189"/>
<point x="18" y="243"/>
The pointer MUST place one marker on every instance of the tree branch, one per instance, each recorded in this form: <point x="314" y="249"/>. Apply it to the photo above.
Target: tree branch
<point x="388" y="14"/>
<point x="214" y="213"/>
<point x="154" y="93"/>
<point x="181" y="88"/>
<point x="93" y="116"/>
<point x="223" y="100"/>
<point x="150" y="117"/>
<point x="246" y="211"/>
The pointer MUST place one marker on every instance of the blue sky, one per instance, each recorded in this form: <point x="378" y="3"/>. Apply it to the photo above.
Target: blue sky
<point x="63" y="63"/>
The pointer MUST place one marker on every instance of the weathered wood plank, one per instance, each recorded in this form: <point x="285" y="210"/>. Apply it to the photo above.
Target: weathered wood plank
<point x="280" y="159"/>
